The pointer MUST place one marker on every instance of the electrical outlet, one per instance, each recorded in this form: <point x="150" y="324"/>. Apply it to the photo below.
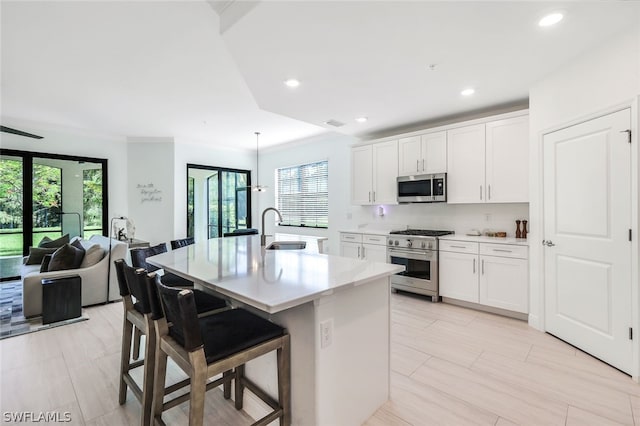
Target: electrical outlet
<point x="326" y="333"/>
<point x="487" y="217"/>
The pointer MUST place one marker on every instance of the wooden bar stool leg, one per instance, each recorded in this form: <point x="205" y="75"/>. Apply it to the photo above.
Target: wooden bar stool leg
<point x="226" y="386"/>
<point x="198" y="387"/>
<point x="159" y="374"/>
<point x="239" y="386"/>
<point x="136" y="343"/>
<point x="149" y="371"/>
<point x="284" y="380"/>
<point x="127" y="334"/>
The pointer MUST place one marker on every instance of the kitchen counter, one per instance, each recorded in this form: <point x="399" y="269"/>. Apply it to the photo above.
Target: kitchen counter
<point x="339" y="376"/>
<point x="484" y="239"/>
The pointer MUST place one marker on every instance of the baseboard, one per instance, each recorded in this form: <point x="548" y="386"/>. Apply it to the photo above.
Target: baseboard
<point x="490" y="309"/>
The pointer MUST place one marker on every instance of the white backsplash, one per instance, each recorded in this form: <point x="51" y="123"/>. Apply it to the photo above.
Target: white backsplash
<point x="460" y="218"/>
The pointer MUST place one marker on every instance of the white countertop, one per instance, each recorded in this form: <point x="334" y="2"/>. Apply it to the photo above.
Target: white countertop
<point x="270" y="280"/>
<point x="367" y="231"/>
<point x="484" y="239"/>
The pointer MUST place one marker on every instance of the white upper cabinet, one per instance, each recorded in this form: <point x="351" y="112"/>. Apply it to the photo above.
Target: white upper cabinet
<point x="465" y="164"/>
<point x="423" y="154"/>
<point x="374" y="171"/>
<point x="361" y="174"/>
<point x="489" y="163"/>
<point x="507" y="160"/>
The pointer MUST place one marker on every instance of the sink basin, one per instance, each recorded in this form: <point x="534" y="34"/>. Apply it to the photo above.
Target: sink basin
<point x="287" y="245"/>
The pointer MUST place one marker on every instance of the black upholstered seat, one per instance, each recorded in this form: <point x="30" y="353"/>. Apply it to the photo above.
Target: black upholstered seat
<point x="183" y="242"/>
<point x="204" y="347"/>
<point x="139" y="260"/>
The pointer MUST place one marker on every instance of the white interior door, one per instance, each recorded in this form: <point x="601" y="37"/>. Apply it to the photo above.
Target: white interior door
<point x="587" y="214"/>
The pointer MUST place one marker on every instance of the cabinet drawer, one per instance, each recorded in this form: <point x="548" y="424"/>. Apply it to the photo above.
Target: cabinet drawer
<point x="459" y="246"/>
<point x="504" y="250"/>
<point x="374" y="239"/>
<point x="351" y="238"/>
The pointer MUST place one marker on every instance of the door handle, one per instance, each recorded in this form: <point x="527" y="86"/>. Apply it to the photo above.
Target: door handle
<point x="480" y="192"/>
<point x="374" y="196"/>
<point x="474" y="266"/>
<point x="369" y="196"/>
<point x="363" y="252"/>
<point x="482" y="266"/>
<point x="489" y="197"/>
<point x="423" y="164"/>
<point x="548" y="243"/>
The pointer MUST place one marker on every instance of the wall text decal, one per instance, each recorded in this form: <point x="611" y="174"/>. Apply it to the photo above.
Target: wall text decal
<point x="149" y="193"/>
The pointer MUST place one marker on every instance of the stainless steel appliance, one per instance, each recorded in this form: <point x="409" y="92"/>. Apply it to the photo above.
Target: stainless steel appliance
<point x="422" y="188"/>
<point x="417" y="251"/>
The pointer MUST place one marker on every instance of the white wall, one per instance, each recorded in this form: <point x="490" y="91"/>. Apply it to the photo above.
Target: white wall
<point x="604" y="77"/>
<point x="69" y="141"/>
<point x="150" y="188"/>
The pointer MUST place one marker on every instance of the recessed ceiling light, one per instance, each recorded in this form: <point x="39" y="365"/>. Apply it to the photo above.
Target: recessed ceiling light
<point x="468" y="92"/>
<point x="292" y="82"/>
<point x="551" y="19"/>
<point x="361" y="119"/>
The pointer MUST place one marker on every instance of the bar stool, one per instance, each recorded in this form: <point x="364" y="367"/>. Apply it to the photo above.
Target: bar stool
<point x="132" y="282"/>
<point x="208" y="346"/>
<point x="183" y="242"/>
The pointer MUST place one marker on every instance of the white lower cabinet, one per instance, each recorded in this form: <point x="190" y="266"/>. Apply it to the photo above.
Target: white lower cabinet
<point x="490" y="274"/>
<point x="363" y="246"/>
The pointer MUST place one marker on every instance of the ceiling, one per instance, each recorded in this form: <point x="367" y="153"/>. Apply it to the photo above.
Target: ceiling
<point x="167" y="69"/>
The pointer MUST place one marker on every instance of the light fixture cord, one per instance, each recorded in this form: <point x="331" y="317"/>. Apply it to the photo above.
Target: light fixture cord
<point x="257" y="162"/>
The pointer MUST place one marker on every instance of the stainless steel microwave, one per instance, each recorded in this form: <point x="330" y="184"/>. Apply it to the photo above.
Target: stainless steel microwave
<point x="422" y="188"/>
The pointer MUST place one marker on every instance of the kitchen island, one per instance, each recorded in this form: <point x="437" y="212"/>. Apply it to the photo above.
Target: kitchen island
<point x="336" y="310"/>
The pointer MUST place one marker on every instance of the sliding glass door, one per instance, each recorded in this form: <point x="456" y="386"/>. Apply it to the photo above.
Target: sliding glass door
<point x="47" y="195"/>
<point x="217" y="201"/>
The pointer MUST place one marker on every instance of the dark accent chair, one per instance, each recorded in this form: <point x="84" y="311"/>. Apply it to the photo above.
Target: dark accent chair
<point x="137" y="313"/>
<point x="139" y="260"/>
<point x="205" y="347"/>
<point x="176" y="244"/>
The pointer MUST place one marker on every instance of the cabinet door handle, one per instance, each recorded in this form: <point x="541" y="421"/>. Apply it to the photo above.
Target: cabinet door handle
<point x="363" y="252"/>
<point x="417" y="165"/>
<point x="480" y="192"/>
<point x="423" y="164"/>
<point x="489" y="192"/>
<point x="474" y="266"/>
<point x="369" y="196"/>
<point x="358" y="252"/>
<point x="374" y="196"/>
<point x="482" y="266"/>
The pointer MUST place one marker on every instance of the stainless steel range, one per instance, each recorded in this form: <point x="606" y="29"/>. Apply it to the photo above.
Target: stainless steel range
<point x="417" y="251"/>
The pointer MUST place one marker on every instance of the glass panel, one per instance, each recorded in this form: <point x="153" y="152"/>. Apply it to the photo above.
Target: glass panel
<point x="213" y="208"/>
<point x="414" y="268"/>
<point x="191" y="204"/>
<point x="91" y="201"/>
<point x="47" y="201"/>
<point x="418" y="188"/>
<point x="11" y="209"/>
<point x="234" y="201"/>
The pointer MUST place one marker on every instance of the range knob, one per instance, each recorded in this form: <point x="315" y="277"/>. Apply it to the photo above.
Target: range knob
<point x="390" y="242"/>
<point x="396" y="242"/>
<point x="423" y="244"/>
<point x="409" y="243"/>
<point x="430" y="245"/>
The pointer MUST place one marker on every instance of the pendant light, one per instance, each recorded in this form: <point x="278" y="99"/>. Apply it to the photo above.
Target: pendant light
<point x="257" y="187"/>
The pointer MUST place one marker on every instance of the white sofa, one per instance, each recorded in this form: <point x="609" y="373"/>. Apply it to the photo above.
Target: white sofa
<point x="94" y="278"/>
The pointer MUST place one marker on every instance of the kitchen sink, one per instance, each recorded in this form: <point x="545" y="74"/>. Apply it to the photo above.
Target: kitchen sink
<point x="287" y="245"/>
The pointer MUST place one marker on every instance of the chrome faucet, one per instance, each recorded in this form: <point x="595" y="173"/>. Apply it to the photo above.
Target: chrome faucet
<point x="263" y="237"/>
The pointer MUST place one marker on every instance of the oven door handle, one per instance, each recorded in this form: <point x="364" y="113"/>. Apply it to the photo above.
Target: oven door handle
<point x="411" y="255"/>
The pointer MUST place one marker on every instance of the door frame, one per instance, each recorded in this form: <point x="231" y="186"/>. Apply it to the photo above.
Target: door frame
<point x="537" y="270"/>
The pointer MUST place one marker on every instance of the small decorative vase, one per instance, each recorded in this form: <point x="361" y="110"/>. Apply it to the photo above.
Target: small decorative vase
<point x="518" y="233"/>
<point x="524" y="229"/>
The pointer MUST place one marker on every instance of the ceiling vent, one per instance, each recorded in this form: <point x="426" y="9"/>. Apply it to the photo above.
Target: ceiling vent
<point x="334" y="123"/>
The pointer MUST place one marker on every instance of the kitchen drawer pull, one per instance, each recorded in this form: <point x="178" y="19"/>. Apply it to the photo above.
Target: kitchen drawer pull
<point x="460" y="247"/>
<point x="349" y="237"/>
<point x="503" y="251"/>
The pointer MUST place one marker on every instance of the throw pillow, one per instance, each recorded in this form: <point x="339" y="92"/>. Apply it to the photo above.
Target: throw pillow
<point x="66" y="257"/>
<point x="44" y="267"/>
<point x="36" y="254"/>
<point x="76" y="243"/>
<point x="93" y="254"/>
<point x="47" y="242"/>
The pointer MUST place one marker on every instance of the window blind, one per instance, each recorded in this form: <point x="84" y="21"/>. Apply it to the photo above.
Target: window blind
<point x="302" y="194"/>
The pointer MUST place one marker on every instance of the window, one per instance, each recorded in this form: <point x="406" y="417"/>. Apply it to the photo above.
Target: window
<point x="302" y="195"/>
